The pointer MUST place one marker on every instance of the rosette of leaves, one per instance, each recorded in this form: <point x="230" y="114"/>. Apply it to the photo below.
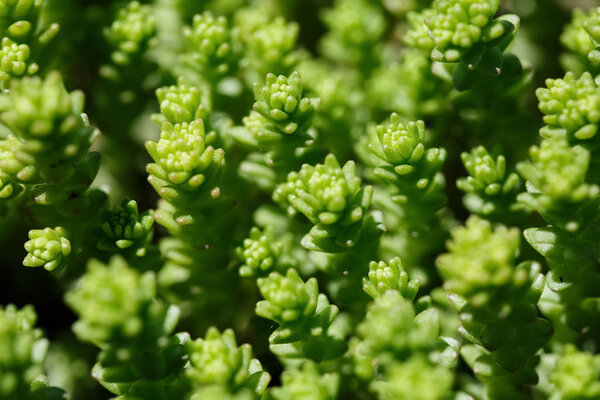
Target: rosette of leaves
<point x="466" y="31"/>
<point x="48" y="248"/>
<point x="556" y="184"/>
<point x="181" y="103"/>
<point x="340" y="115"/>
<point x="579" y="44"/>
<point x="408" y="86"/>
<point x="278" y="128"/>
<point x="271" y="48"/>
<point x="12" y="171"/>
<point x="355" y="28"/>
<point x="185" y="171"/>
<point x="558" y="191"/>
<point x="304" y="317"/>
<point x="497" y="301"/>
<point x="210" y="52"/>
<point x="263" y="251"/>
<point x="22" y="353"/>
<point x="118" y="312"/>
<point x="416" y="375"/>
<point x="306" y="382"/>
<point x="592" y="26"/>
<point x="282" y="106"/>
<point x="414" y="170"/>
<point x="15" y="60"/>
<point x="571" y="109"/>
<point x="131" y="33"/>
<point x="125" y="229"/>
<point x="383" y="277"/>
<point x="217" y="360"/>
<point x="410" y="339"/>
<point x="489" y="189"/>
<point x="576" y="375"/>
<point x="48" y="120"/>
<point x="332" y="198"/>
<point x="417" y="35"/>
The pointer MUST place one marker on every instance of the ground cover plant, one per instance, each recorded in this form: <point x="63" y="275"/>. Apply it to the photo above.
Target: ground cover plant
<point x="300" y="199"/>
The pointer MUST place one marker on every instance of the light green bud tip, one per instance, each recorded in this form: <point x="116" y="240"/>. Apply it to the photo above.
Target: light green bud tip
<point x="281" y="104"/>
<point x="209" y="39"/>
<point x="182" y="158"/>
<point x="391" y="276"/>
<point x="486" y="173"/>
<point x="401" y="335"/>
<point x="417" y="375"/>
<point x="574" y="36"/>
<point x="460" y="24"/>
<point x="325" y="193"/>
<point x="14" y="60"/>
<point x="479" y="257"/>
<point x="125" y="228"/>
<point x="23" y="351"/>
<point x="111" y="301"/>
<point x="134" y="26"/>
<point x="287" y="298"/>
<point x="217" y="360"/>
<point x="259" y="252"/>
<point x="571" y="107"/>
<point x="355" y="22"/>
<point x="181" y="103"/>
<point x="577" y="375"/>
<point x="48" y="248"/>
<point x="37" y="109"/>
<point x="273" y="43"/>
<point x="401" y="142"/>
<point x="558" y="170"/>
<point x="307" y="382"/>
<point x="592" y="27"/>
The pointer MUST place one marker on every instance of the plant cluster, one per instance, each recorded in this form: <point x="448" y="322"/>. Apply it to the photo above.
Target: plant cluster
<point x="299" y="200"/>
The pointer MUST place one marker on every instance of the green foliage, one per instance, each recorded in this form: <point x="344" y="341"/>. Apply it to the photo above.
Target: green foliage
<point x="578" y="43"/>
<point x="408" y="165"/>
<point x="332" y="198"/>
<point x="261" y="253"/>
<point x="15" y="60"/>
<point x="118" y="312"/>
<point x="217" y="360"/>
<point x="270" y="47"/>
<point x="556" y="183"/>
<point x="282" y="107"/>
<point x="466" y="31"/>
<point x="576" y="375"/>
<point x="489" y="189"/>
<point x="131" y="33"/>
<point x="48" y="248"/>
<point x="304" y="316"/>
<point x="416" y="375"/>
<point x="209" y="46"/>
<point x="570" y="108"/>
<point x="355" y="26"/>
<point x="353" y="130"/>
<point x="497" y="305"/>
<point x="47" y="120"/>
<point x="124" y="228"/>
<point x="592" y="27"/>
<point x="181" y="103"/>
<point x="384" y="277"/>
<point x="306" y="383"/>
<point x="22" y="353"/>
<point x="184" y="166"/>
